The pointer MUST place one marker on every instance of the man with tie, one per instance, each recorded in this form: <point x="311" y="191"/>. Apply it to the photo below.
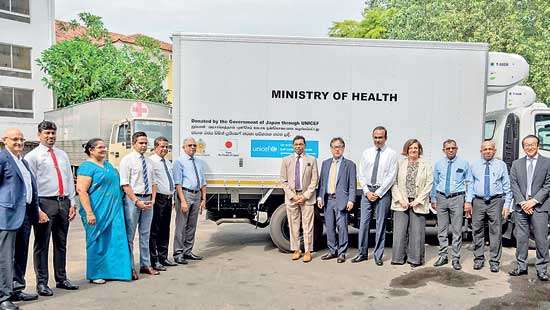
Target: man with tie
<point x="190" y="183"/>
<point x="530" y="183"/>
<point x="337" y="185"/>
<point x="449" y="188"/>
<point x="162" y="209"/>
<point x="18" y="202"/>
<point x="299" y="180"/>
<point x="377" y="171"/>
<point x="136" y="179"/>
<point x="56" y="196"/>
<point x="488" y="196"/>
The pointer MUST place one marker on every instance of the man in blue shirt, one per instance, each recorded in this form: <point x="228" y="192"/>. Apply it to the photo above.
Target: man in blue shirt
<point x="191" y="196"/>
<point x="449" y="188"/>
<point x="491" y="196"/>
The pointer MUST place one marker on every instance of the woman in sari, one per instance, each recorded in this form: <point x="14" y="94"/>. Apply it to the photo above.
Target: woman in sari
<point x="102" y="213"/>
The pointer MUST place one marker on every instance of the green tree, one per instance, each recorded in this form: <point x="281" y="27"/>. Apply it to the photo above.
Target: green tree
<point x="512" y="26"/>
<point x="90" y="67"/>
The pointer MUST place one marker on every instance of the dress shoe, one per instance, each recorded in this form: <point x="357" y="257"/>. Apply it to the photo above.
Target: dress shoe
<point x="494" y="268"/>
<point x="414" y="265"/>
<point x="478" y="264"/>
<point x="66" y="285"/>
<point x="441" y="261"/>
<point x="168" y="263"/>
<point x="180" y="260"/>
<point x="192" y="256"/>
<point x="44" y="290"/>
<point x="542" y="276"/>
<point x="159" y="267"/>
<point x="341" y="259"/>
<point x="517" y="272"/>
<point x="307" y="257"/>
<point x="456" y="265"/>
<point x="328" y="256"/>
<point x="296" y="255"/>
<point x="22" y="296"/>
<point x="134" y="275"/>
<point x="8" y="305"/>
<point x="149" y="270"/>
<point x="378" y="262"/>
<point x="359" y="258"/>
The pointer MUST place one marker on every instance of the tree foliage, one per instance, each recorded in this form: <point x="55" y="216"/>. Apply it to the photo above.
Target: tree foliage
<point x="512" y="26"/>
<point x="90" y="67"/>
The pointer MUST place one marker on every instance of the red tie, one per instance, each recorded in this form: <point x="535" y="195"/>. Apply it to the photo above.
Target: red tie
<point x="59" y="178"/>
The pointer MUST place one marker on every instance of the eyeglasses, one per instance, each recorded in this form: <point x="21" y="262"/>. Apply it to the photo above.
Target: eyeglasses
<point x="451" y="148"/>
<point x="337" y="146"/>
<point x="16" y="139"/>
<point x="191" y="145"/>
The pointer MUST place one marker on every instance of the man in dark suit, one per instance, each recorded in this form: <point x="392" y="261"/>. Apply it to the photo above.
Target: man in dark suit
<point x="337" y="185"/>
<point x="18" y="197"/>
<point x="530" y="183"/>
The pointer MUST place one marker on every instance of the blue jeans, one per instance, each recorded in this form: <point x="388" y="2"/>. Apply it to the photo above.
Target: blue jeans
<point x="134" y="217"/>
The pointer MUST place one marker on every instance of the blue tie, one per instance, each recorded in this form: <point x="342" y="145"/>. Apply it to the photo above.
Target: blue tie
<point x="448" y="179"/>
<point x="487" y="182"/>
<point x="196" y="173"/>
<point x="145" y="178"/>
<point x="168" y="174"/>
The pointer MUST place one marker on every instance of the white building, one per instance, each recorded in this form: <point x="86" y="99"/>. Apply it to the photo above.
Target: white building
<point x="26" y="29"/>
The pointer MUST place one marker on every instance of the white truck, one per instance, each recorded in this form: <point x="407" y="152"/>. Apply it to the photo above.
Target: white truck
<point x="113" y="120"/>
<point x="245" y="97"/>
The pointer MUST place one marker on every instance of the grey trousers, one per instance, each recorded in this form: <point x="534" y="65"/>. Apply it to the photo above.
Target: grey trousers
<point x="186" y="224"/>
<point x="539" y="222"/>
<point x="409" y="236"/>
<point x="7" y="250"/>
<point x="450" y="212"/>
<point x="493" y="212"/>
<point x="336" y="220"/>
<point x="381" y="208"/>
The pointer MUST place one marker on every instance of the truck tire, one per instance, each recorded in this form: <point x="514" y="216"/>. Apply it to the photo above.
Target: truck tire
<point x="278" y="229"/>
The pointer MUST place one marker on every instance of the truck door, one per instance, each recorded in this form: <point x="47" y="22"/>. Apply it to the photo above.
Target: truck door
<point x="510" y="148"/>
<point x="121" y="145"/>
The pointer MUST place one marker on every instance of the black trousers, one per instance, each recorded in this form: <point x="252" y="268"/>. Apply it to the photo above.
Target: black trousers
<point x="160" y="228"/>
<point x="57" y="227"/>
<point x="21" y="255"/>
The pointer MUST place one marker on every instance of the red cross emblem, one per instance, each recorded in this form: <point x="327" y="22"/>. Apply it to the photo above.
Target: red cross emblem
<point x="139" y="109"/>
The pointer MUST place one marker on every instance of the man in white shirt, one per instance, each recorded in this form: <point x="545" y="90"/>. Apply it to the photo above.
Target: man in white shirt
<point x="162" y="209"/>
<point x="377" y="170"/>
<point x="56" y="194"/>
<point x="136" y="179"/>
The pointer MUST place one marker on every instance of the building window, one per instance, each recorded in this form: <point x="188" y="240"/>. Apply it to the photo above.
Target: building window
<point x="15" y="61"/>
<point x="18" y="10"/>
<point x="16" y="102"/>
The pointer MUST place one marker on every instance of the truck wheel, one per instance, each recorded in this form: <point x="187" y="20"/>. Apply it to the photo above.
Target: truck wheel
<point x="278" y="229"/>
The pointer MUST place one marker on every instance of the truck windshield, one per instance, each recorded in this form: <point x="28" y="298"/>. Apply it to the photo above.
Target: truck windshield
<point x="154" y="129"/>
<point x="542" y="130"/>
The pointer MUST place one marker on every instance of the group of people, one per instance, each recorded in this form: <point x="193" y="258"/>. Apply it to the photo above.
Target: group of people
<point x="38" y="191"/>
<point x="483" y="191"/>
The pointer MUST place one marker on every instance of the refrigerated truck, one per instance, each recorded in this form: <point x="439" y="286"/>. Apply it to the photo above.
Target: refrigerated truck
<point x="114" y="121"/>
<point x="244" y="98"/>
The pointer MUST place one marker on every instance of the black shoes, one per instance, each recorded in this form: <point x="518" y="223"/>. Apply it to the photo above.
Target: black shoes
<point x="441" y="261"/>
<point x="359" y="258"/>
<point x="159" y="267"/>
<point x="397" y="263"/>
<point x="168" y="263"/>
<point x="192" y="256"/>
<point x="478" y="264"/>
<point x="8" y="305"/>
<point x="414" y="265"/>
<point x="542" y="276"/>
<point x="494" y="268"/>
<point x="44" y="290"/>
<point x="329" y="256"/>
<point x="22" y="296"/>
<point x="66" y="285"/>
<point x="180" y="260"/>
<point x="341" y="259"/>
<point x="517" y="272"/>
<point x="456" y="265"/>
<point x="378" y="262"/>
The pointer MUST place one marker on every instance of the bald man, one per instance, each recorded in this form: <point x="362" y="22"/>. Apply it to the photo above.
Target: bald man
<point x="18" y="199"/>
<point x="488" y="197"/>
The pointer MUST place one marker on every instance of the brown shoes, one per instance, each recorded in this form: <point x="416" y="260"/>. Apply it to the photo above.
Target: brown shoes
<point x="307" y="257"/>
<point x="134" y="275"/>
<point x="296" y="255"/>
<point x="148" y="270"/>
